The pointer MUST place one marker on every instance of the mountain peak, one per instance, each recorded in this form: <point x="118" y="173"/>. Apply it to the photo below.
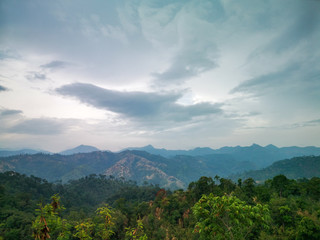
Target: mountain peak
<point x="254" y="145"/>
<point x="148" y="147"/>
<point x="271" y="146"/>
<point x="80" y="149"/>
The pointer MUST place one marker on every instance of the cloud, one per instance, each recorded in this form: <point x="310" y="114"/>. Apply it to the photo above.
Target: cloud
<point x="311" y="123"/>
<point x="187" y="64"/>
<point x="35" y="76"/>
<point x="305" y="26"/>
<point x="39" y="126"/>
<point x="297" y="78"/>
<point x="2" y="88"/>
<point x="9" y="112"/>
<point x="139" y="105"/>
<point x="13" y="121"/>
<point x="54" y="65"/>
<point x="193" y="48"/>
<point x="8" y="54"/>
<point x="263" y="83"/>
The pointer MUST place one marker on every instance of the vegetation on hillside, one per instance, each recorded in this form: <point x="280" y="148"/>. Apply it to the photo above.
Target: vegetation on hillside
<point x="294" y="168"/>
<point x="173" y="173"/>
<point x="99" y="207"/>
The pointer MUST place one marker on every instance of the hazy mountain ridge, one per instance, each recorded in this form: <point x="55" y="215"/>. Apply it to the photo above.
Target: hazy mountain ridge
<point x="7" y="152"/>
<point x="258" y="156"/>
<point x="294" y="168"/>
<point x="141" y="166"/>
<point x="79" y="149"/>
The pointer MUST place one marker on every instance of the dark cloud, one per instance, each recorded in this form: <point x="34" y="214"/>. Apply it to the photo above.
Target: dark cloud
<point x="2" y="88"/>
<point x="139" y="105"/>
<point x="35" y="76"/>
<point x="9" y="112"/>
<point x="54" y="65"/>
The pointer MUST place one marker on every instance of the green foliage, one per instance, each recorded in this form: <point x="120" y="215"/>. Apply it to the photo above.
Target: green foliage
<point x="228" y="217"/>
<point x="104" y="229"/>
<point x="308" y="228"/>
<point x="100" y="208"/>
<point x="84" y="230"/>
<point x="136" y="233"/>
<point x="48" y="223"/>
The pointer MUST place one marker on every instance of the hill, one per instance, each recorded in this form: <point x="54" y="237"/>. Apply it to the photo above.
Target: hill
<point x="79" y="149"/>
<point x="294" y="168"/>
<point x="140" y="166"/>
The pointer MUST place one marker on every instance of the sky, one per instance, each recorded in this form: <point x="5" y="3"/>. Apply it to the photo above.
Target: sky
<point x="174" y="74"/>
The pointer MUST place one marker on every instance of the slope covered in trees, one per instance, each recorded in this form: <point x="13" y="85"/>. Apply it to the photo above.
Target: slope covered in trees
<point x="97" y="207"/>
<point x="174" y="173"/>
<point x="294" y="168"/>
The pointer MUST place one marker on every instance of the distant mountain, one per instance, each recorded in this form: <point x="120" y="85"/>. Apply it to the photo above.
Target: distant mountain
<point x="172" y="172"/>
<point x="171" y="153"/>
<point x="264" y="156"/>
<point x="131" y="165"/>
<point x="294" y="168"/>
<point x="257" y="155"/>
<point x="55" y="167"/>
<point x="79" y="149"/>
<point x="7" y="153"/>
<point x="139" y="166"/>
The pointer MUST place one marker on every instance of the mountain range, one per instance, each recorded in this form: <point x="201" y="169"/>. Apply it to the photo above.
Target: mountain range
<point x="78" y="149"/>
<point x="257" y="155"/>
<point x="167" y="168"/>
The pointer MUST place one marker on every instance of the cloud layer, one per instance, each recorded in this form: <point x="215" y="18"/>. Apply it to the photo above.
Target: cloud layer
<point x="14" y="122"/>
<point x="194" y="72"/>
<point x="138" y="105"/>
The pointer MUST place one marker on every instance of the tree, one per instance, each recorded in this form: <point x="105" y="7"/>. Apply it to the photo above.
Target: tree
<point x="48" y="224"/>
<point x="104" y="229"/>
<point x="228" y="217"/>
<point x="84" y="230"/>
<point x="309" y="228"/>
<point x="280" y="184"/>
<point x="204" y="185"/>
<point x="136" y="233"/>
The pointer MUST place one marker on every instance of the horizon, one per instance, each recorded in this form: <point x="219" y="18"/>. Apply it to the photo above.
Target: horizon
<point x="176" y="74"/>
<point x="149" y="145"/>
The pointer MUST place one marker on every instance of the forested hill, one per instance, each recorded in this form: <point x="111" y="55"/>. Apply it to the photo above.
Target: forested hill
<point x="173" y="173"/>
<point x="294" y="168"/>
<point x="131" y="165"/>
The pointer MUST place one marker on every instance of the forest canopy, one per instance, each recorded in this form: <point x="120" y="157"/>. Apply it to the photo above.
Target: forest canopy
<point x="100" y="207"/>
